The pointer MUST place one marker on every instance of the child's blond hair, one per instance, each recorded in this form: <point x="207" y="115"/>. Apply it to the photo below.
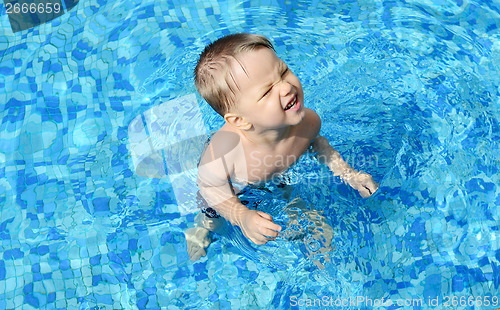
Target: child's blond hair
<point x="213" y="76"/>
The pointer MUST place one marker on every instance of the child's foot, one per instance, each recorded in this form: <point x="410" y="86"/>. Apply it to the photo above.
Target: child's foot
<point x="198" y="239"/>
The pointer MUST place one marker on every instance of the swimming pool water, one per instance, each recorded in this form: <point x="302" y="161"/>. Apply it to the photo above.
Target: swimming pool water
<point x="407" y="91"/>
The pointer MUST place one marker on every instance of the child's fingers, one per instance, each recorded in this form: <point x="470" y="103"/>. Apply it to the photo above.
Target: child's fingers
<point x="270" y="233"/>
<point x="270" y="220"/>
<point x="259" y="239"/>
<point x="263" y="238"/>
<point x="367" y="190"/>
<point x="364" y="193"/>
<point x="265" y="215"/>
<point x="273" y="226"/>
<point x="255" y="237"/>
<point x="265" y="229"/>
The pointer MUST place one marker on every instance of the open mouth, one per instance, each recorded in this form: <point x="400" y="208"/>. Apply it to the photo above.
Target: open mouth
<point x="291" y="104"/>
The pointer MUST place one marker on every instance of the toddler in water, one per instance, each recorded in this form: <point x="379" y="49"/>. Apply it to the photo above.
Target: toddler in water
<point x="267" y="128"/>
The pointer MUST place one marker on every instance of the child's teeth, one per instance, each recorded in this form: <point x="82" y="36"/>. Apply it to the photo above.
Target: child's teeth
<point x="291" y="104"/>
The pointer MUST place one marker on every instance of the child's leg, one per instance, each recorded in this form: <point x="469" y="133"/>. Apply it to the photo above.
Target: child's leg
<point x="319" y="240"/>
<point x="198" y="238"/>
<point x="318" y="236"/>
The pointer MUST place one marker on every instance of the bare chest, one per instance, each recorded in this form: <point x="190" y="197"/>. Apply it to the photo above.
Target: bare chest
<point x="257" y="164"/>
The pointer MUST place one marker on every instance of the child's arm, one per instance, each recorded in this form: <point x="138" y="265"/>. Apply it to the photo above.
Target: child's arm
<point x="360" y="181"/>
<point x="255" y="225"/>
<point x="214" y="171"/>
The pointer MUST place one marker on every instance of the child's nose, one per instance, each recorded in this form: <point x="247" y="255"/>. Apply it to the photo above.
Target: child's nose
<point x="285" y="88"/>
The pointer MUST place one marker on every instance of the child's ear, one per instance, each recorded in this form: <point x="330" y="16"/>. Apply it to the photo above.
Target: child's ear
<point x="237" y="121"/>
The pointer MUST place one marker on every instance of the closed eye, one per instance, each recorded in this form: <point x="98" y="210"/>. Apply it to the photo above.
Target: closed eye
<point x="267" y="93"/>
<point x="286" y="70"/>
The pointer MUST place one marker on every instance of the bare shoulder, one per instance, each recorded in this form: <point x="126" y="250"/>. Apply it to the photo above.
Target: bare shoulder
<point x="223" y="148"/>
<point x="311" y="123"/>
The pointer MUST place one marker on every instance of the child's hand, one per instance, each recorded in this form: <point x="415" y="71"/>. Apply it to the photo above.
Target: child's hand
<point x="258" y="226"/>
<point x="363" y="183"/>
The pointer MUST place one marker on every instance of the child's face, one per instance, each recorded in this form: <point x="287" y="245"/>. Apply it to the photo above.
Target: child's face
<point x="269" y="95"/>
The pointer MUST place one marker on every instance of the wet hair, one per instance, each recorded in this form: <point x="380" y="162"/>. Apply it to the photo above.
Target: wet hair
<point x="213" y="76"/>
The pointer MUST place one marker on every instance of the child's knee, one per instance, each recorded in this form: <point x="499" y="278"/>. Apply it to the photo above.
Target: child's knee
<point x="210" y="223"/>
